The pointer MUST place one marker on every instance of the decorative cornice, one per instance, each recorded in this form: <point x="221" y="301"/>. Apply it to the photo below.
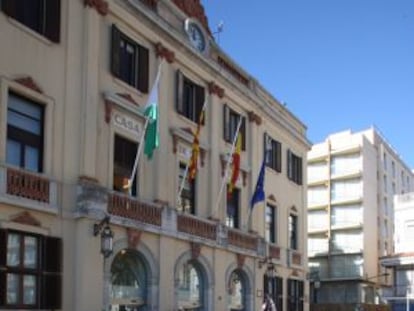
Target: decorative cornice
<point x="213" y="88"/>
<point x="134" y="237"/>
<point x="28" y="82"/>
<point x="253" y="117"/>
<point x="128" y="97"/>
<point x="193" y="8"/>
<point x="100" y="6"/>
<point x="163" y="52"/>
<point x="25" y="218"/>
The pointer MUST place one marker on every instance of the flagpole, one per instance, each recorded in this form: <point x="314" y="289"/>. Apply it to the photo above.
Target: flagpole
<point x="142" y="141"/>
<point x="189" y="160"/>
<point x="223" y="182"/>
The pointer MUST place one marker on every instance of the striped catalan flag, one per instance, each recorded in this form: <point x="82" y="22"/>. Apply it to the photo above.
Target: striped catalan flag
<point x="192" y="168"/>
<point x="236" y="165"/>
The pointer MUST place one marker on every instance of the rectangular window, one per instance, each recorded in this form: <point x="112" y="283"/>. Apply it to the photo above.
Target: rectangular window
<point x="187" y="199"/>
<point x="189" y="98"/>
<point x="294" y="168"/>
<point x="295" y="295"/>
<point x="270" y="223"/>
<point x="233" y="201"/>
<point x="293" y="231"/>
<point x="24" y="147"/>
<point x="125" y="152"/>
<point x="30" y="271"/>
<point x="129" y="61"/>
<point x="273" y="286"/>
<point x="230" y="122"/>
<point x="273" y="153"/>
<point x="42" y="16"/>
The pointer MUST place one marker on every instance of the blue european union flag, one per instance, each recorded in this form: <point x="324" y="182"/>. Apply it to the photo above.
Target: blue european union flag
<point x="259" y="194"/>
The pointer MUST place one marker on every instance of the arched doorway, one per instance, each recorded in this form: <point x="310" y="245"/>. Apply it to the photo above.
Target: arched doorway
<point x="237" y="291"/>
<point x="190" y="286"/>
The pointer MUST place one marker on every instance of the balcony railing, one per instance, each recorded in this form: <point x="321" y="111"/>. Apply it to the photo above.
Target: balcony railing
<point x="17" y="184"/>
<point x="124" y="206"/>
<point x="195" y="226"/>
<point x="242" y="240"/>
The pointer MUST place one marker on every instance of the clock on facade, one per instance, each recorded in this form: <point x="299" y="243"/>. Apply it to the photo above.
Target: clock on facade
<point x="196" y="35"/>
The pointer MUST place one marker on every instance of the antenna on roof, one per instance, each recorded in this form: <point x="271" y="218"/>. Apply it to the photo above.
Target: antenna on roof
<point x="220" y="28"/>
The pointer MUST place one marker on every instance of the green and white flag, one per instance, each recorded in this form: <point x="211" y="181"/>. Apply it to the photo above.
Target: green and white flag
<point x="152" y="136"/>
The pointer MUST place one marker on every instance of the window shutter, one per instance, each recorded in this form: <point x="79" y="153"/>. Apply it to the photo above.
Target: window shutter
<point x="265" y="152"/>
<point x="3" y="247"/>
<point x="289" y="164"/>
<point x="52" y="254"/>
<point x="226" y="123"/>
<point x="51" y="291"/>
<point x="9" y="7"/>
<point x="199" y="102"/>
<point x="3" y="288"/>
<point x="52" y="20"/>
<point x="300" y="173"/>
<point x="279" y="286"/>
<point x="115" y="54"/>
<point x="265" y="285"/>
<point x="143" y="69"/>
<point x="278" y="157"/>
<point x="243" y="132"/>
<point x="300" y="298"/>
<point x="179" y="80"/>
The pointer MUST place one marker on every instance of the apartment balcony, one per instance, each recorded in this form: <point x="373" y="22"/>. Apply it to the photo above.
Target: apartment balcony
<point x="94" y="201"/>
<point x="346" y="225"/>
<point x="27" y="189"/>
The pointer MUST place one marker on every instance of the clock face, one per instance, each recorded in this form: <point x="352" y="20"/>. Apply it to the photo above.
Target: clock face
<point x="196" y="37"/>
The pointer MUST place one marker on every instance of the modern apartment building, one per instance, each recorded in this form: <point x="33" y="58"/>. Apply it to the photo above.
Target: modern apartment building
<point x="352" y="179"/>
<point x="401" y="294"/>
<point x="75" y="78"/>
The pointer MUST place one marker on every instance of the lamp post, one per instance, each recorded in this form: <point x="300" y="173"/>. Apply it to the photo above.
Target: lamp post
<point x="107" y="237"/>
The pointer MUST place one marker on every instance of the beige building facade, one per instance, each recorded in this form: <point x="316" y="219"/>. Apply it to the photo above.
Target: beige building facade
<point x="75" y="77"/>
<point x="352" y="180"/>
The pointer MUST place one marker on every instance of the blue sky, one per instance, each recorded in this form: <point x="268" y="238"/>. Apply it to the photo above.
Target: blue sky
<point x="337" y="64"/>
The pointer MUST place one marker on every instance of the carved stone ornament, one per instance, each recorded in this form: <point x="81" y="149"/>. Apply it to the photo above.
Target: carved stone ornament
<point x="195" y="250"/>
<point x="193" y="8"/>
<point x="100" y="6"/>
<point x="25" y="218"/>
<point x="241" y="259"/>
<point x="29" y="83"/>
<point x="253" y="117"/>
<point x="215" y="89"/>
<point x="134" y="236"/>
<point x="164" y="52"/>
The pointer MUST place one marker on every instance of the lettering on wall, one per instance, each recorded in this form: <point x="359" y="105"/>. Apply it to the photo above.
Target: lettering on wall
<point x="127" y="124"/>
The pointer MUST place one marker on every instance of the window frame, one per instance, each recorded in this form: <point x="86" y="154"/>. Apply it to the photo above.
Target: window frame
<point x="192" y="191"/>
<point x="24" y="137"/>
<point x="48" y="20"/>
<point x="272" y="149"/>
<point x="230" y="122"/>
<point x="127" y="143"/>
<point x="294" y="168"/>
<point x="293" y="231"/>
<point x="140" y="70"/>
<point x="271" y="227"/>
<point x="48" y="271"/>
<point x="235" y="199"/>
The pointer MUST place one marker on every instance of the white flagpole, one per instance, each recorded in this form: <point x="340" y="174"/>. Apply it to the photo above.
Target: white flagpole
<point x="142" y="141"/>
<point x="189" y="160"/>
<point x="224" y="180"/>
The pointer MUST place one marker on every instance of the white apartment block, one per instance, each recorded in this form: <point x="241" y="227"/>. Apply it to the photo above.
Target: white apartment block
<point x="352" y="179"/>
<point x="401" y="294"/>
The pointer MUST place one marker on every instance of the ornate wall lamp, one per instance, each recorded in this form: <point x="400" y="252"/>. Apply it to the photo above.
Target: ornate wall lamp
<point x="107" y="236"/>
<point x="271" y="267"/>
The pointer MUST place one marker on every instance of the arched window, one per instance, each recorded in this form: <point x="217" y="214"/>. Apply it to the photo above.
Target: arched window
<point x="128" y="280"/>
<point x="237" y="291"/>
<point x="189" y="286"/>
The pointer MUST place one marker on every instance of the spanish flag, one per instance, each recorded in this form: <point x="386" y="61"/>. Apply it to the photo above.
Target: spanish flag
<point x="236" y="165"/>
<point x="192" y="171"/>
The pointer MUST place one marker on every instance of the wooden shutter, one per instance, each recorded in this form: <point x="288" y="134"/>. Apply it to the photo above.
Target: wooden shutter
<point x="9" y="7"/>
<point x="52" y="254"/>
<point x="179" y="81"/>
<point x="300" y="172"/>
<point x="300" y="298"/>
<point x="226" y="123"/>
<point x="52" y="20"/>
<point x="265" y="285"/>
<point x="289" y="164"/>
<point x="243" y="132"/>
<point x="265" y="154"/>
<point x="279" y="293"/>
<point x="199" y="102"/>
<point x="115" y="53"/>
<point x="3" y="288"/>
<point x="3" y="247"/>
<point x="51" y="291"/>
<point x="278" y="157"/>
<point x="143" y="69"/>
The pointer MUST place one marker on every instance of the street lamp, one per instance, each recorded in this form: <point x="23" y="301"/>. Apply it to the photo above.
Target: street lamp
<point x="107" y="236"/>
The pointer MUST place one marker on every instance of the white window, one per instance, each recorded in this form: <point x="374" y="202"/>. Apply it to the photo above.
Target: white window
<point x="346" y="164"/>
<point x="346" y="190"/>
<point x="317" y="196"/>
<point x="346" y="215"/>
